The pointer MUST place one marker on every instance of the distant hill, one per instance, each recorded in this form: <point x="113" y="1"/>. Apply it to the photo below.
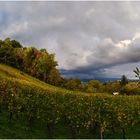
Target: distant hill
<point x="101" y="79"/>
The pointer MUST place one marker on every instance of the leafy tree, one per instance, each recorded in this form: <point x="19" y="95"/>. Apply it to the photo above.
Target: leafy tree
<point x="54" y="77"/>
<point x="19" y="58"/>
<point x="73" y="84"/>
<point x="7" y="53"/>
<point x="28" y="59"/>
<point x="111" y="87"/>
<point x="16" y="44"/>
<point x="44" y="66"/>
<point x="137" y="73"/>
<point x="94" y="83"/>
<point x="92" y="86"/>
<point x="124" y="80"/>
<point x="43" y="50"/>
<point x="1" y="42"/>
<point x="38" y="63"/>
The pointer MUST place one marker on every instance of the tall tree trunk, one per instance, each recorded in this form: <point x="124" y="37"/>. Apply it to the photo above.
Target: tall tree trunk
<point x="73" y="132"/>
<point x="123" y="134"/>
<point x="50" y="128"/>
<point x="10" y="117"/>
<point x="101" y="134"/>
<point x="112" y="128"/>
<point x="30" y="122"/>
<point x="94" y="128"/>
<point x="1" y="108"/>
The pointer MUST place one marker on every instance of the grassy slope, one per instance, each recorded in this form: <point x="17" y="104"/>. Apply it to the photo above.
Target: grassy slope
<point x="18" y="129"/>
<point x="14" y="75"/>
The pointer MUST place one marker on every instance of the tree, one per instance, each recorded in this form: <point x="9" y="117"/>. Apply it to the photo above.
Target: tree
<point x="7" y="53"/>
<point x="93" y="86"/>
<point x="137" y="74"/>
<point x="30" y="60"/>
<point x="38" y="63"/>
<point x="45" y="63"/>
<point x="54" y="77"/>
<point x="73" y="84"/>
<point x="110" y="87"/>
<point x="124" y="80"/>
<point x="16" y="44"/>
<point x="94" y="83"/>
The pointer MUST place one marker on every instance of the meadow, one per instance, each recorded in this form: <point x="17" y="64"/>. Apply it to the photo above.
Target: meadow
<point x="30" y="108"/>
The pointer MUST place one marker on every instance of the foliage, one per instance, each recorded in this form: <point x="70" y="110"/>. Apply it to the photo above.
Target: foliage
<point x="7" y="53"/>
<point x="124" y="80"/>
<point x="35" y="101"/>
<point x="110" y="87"/>
<point x="73" y="84"/>
<point x="38" y="63"/>
<point x="137" y="74"/>
<point x="130" y="90"/>
<point x="93" y="86"/>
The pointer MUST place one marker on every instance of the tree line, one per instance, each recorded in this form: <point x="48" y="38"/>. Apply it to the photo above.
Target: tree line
<point x="42" y="65"/>
<point x="39" y="64"/>
<point x="35" y="62"/>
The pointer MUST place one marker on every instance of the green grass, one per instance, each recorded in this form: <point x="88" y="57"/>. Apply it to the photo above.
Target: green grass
<point x="14" y="75"/>
<point x="19" y="129"/>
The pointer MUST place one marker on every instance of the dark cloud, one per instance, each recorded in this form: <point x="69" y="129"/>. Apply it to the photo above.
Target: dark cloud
<point x="88" y="38"/>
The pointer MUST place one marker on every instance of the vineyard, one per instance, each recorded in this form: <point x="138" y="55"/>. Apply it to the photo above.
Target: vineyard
<point x="53" y="112"/>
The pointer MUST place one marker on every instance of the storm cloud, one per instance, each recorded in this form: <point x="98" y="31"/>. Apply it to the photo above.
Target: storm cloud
<point x="89" y="39"/>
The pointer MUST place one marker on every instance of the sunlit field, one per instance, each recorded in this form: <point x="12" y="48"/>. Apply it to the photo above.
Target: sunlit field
<point x="28" y="104"/>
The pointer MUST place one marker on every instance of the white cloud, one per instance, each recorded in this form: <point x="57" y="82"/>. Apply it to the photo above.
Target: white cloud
<point x="83" y="35"/>
<point x="90" y="12"/>
<point x="17" y="28"/>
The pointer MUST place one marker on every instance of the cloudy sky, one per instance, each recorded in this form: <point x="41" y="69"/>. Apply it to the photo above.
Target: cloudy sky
<point x="89" y="39"/>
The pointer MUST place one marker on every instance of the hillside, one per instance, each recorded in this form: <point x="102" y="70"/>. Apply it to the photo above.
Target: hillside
<point x="13" y="75"/>
<point x="19" y="128"/>
<point x="30" y="108"/>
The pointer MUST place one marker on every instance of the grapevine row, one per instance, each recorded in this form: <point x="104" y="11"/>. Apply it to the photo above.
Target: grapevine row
<point x="78" y="111"/>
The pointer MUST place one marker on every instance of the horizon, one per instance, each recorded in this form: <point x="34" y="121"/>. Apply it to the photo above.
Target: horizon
<point x="90" y="39"/>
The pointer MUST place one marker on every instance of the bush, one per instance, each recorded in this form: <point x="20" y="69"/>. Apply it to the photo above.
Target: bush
<point x="130" y="90"/>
